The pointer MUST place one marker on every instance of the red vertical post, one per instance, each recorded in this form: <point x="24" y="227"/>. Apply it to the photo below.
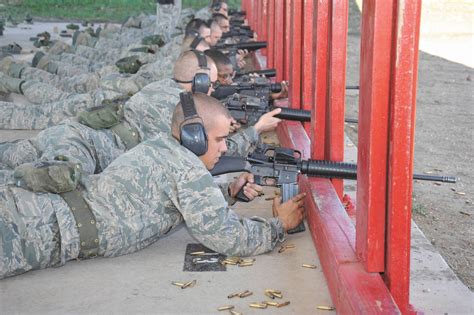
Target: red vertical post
<point x="296" y="70"/>
<point x="248" y="11"/>
<point x="401" y="146"/>
<point x="258" y="15"/>
<point x="308" y="69"/>
<point x="287" y="35"/>
<point x="374" y="95"/>
<point x="279" y="38"/>
<point x="339" y="14"/>
<point x="251" y="13"/>
<point x="244" y="5"/>
<point x="318" y="117"/>
<point x="271" y="34"/>
<point x="255" y="16"/>
<point x="262" y="35"/>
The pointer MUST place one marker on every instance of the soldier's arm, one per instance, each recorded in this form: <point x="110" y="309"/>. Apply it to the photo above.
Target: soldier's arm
<point x="240" y="143"/>
<point x="218" y="227"/>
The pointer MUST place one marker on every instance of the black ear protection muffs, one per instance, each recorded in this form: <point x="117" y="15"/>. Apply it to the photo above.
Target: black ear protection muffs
<point x="201" y="81"/>
<point x="216" y="6"/>
<point x="196" y="41"/>
<point x="192" y="132"/>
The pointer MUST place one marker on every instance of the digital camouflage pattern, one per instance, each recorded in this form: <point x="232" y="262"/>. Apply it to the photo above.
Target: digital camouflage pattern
<point x="149" y="112"/>
<point x="41" y="116"/>
<point x="140" y="197"/>
<point x="168" y="16"/>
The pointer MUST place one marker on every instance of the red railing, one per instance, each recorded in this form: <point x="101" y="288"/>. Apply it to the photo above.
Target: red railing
<point x="367" y="266"/>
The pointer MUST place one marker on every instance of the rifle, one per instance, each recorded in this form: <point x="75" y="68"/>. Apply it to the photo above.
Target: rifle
<point x="247" y="109"/>
<point x="243" y="33"/>
<point x="280" y="167"/>
<point x="233" y="48"/>
<point x="257" y="88"/>
<point x="235" y="12"/>
<point x="269" y="73"/>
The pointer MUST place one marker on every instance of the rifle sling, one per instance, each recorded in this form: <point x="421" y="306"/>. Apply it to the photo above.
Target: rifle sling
<point x="85" y="222"/>
<point x="128" y="134"/>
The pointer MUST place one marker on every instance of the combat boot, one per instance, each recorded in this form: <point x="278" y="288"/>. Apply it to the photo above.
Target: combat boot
<point x="47" y="65"/>
<point x="11" y="68"/>
<point x="36" y="58"/>
<point x="60" y="47"/>
<point x="10" y="85"/>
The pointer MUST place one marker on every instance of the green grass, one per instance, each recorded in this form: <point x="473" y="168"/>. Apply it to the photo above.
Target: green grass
<point x="419" y="209"/>
<point x="91" y="10"/>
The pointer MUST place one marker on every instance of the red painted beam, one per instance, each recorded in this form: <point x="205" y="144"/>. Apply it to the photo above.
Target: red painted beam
<point x="287" y="27"/>
<point x="271" y="34"/>
<point x="374" y="95"/>
<point x="353" y="290"/>
<point x="308" y="68"/>
<point x="263" y="35"/>
<point x="401" y="147"/>
<point x="318" y="117"/>
<point x="279" y="39"/>
<point x="258" y="16"/>
<point x="339" y="14"/>
<point x="296" y="31"/>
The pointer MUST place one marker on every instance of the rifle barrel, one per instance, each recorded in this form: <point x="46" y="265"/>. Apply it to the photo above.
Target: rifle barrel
<point x="266" y="72"/>
<point x="349" y="171"/>
<point x="302" y="115"/>
<point x="294" y="114"/>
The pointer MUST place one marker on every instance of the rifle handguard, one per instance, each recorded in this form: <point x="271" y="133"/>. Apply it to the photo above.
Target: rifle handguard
<point x="294" y="114"/>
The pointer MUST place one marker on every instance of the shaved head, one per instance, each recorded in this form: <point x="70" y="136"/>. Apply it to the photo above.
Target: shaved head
<point x="187" y="66"/>
<point x="208" y="108"/>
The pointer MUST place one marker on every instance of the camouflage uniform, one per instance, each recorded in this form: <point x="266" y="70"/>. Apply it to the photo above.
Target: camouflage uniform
<point x="79" y="83"/>
<point x="203" y="14"/>
<point x="44" y="115"/>
<point x="148" y="113"/>
<point x="139" y="198"/>
<point x="167" y="18"/>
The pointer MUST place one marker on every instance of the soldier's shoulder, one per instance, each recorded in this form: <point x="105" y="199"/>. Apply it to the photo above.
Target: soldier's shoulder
<point x="172" y="151"/>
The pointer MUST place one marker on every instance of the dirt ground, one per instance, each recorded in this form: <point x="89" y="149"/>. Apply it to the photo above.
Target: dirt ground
<point x="443" y="145"/>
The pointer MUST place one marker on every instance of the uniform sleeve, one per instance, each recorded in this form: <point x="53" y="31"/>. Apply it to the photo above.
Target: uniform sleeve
<point x="240" y="143"/>
<point x="224" y="187"/>
<point x="215" y="225"/>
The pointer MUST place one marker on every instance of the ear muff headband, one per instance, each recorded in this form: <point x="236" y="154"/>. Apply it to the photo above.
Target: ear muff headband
<point x="201" y="81"/>
<point x="196" y="41"/>
<point x="192" y="133"/>
<point x="216" y="6"/>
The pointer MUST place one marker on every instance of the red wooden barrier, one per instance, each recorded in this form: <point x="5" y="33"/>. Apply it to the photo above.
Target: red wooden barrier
<point x="376" y="41"/>
<point x="328" y="113"/>
<point x="318" y="118"/>
<point x="339" y="13"/>
<point x="279" y="38"/>
<point x="296" y="25"/>
<point x="286" y="47"/>
<point x="308" y="69"/>
<point x="401" y="146"/>
<point x="389" y="52"/>
<point x="262" y="35"/>
<point x="271" y="34"/>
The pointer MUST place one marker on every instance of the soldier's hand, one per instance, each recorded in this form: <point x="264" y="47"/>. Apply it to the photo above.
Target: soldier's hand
<point x="241" y="53"/>
<point x="267" y="121"/>
<point x="234" y="125"/>
<point x="290" y="213"/>
<point x="245" y="182"/>
<point x="283" y="93"/>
